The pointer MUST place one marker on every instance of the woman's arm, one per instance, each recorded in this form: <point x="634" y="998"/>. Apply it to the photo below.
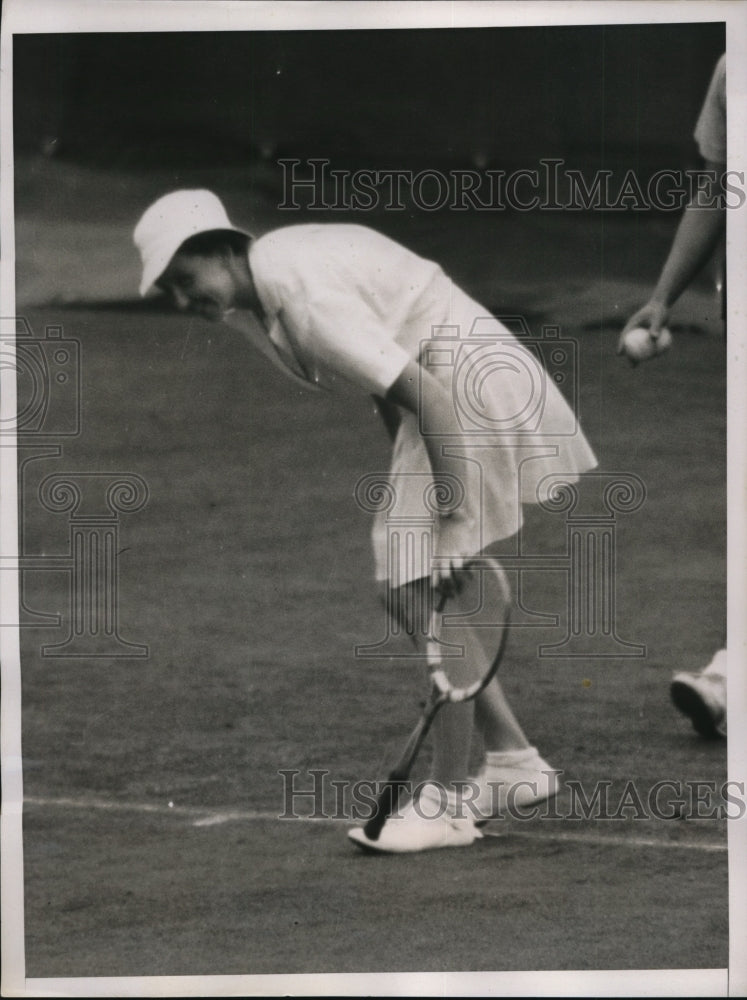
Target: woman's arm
<point x="695" y="240"/>
<point x="419" y="392"/>
<point x="693" y="244"/>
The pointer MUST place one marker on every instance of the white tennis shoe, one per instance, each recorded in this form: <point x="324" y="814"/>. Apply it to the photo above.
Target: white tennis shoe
<point x="510" y="780"/>
<point x="702" y="697"/>
<point x="423" y="825"/>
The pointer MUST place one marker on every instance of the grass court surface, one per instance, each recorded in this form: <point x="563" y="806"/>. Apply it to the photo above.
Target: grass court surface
<point x="151" y="840"/>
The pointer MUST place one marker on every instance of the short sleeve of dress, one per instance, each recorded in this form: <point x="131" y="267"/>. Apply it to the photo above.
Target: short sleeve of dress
<point x="710" y="131"/>
<point x="337" y="331"/>
<point x="323" y="309"/>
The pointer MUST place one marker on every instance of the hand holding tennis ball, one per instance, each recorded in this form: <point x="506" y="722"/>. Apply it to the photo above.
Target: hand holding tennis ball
<point x="639" y="344"/>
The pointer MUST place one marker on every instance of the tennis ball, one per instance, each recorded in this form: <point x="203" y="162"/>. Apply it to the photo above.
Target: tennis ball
<point x="639" y="345"/>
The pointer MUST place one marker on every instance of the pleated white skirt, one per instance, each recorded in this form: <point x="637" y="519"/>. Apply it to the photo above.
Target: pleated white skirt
<point x="516" y="430"/>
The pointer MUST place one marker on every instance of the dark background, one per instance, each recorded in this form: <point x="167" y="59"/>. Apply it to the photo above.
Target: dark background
<point x="598" y="95"/>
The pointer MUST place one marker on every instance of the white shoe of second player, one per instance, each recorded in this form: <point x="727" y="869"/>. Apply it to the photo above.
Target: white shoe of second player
<point x="423" y="825"/>
<point x="702" y="697"/>
<point x="514" y="779"/>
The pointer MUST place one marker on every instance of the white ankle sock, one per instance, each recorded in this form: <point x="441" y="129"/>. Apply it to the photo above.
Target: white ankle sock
<point x="511" y="758"/>
<point x="437" y="795"/>
<point x="717" y="666"/>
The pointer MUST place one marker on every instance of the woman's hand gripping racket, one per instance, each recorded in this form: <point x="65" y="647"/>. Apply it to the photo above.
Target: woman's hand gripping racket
<point x="463" y="683"/>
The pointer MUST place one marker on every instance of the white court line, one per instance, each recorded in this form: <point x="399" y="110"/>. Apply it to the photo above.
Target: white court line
<point x="616" y="840"/>
<point x="206" y="817"/>
<point x="201" y="817"/>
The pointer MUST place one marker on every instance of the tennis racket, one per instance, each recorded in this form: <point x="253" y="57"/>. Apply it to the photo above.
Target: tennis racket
<point x="447" y="686"/>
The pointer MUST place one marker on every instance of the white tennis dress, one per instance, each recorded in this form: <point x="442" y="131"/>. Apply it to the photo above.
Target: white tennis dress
<point x="343" y="301"/>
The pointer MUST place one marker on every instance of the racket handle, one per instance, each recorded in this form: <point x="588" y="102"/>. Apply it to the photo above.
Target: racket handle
<point x="386" y="806"/>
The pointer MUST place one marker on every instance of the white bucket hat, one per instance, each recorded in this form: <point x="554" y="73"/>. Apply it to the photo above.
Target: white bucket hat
<point x="169" y="222"/>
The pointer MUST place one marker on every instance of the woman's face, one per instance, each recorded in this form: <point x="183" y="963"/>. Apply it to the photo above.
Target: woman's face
<point x="205" y="285"/>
